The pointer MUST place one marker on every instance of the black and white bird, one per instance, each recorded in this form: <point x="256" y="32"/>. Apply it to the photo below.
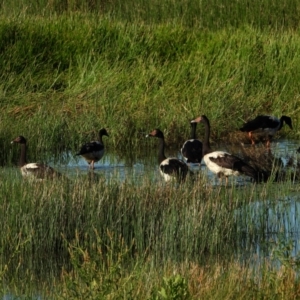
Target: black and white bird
<point x="223" y="163"/>
<point x="36" y="171"/>
<point x="94" y="150"/>
<point x="192" y="148"/>
<point x="170" y="168"/>
<point x="267" y="125"/>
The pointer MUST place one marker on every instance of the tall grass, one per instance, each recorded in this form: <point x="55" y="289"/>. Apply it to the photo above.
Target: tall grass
<point x="72" y="67"/>
<point x="66" y="77"/>
<point x="167" y="221"/>
<point x="203" y="14"/>
<point x="128" y="224"/>
<point x="185" y="281"/>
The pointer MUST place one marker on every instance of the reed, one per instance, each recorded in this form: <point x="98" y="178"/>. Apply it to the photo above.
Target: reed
<point x="151" y="215"/>
<point x="66" y="77"/>
<point x="152" y="223"/>
<point x="70" y="68"/>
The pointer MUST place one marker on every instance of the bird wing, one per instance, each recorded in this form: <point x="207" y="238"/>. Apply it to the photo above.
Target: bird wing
<point x="173" y="166"/>
<point x="192" y="151"/>
<point x="260" y="122"/>
<point x="90" y="147"/>
<point x="229" y="161"/>
<point x="40" y="170"/>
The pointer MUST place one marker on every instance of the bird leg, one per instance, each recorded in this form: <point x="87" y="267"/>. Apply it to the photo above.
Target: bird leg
<point x="92" y="165"/>
<point x="220" y="176"/>
<point x="268" y="143"/>
<point x="226" y="181"/>
<point x="251" y="138"/>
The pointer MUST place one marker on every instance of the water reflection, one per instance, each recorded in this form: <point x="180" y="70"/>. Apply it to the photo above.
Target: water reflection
<point x="127" y="165"/>
<point x="269" y="226"/>
<point x="274" y="219"/>
<point x="109" y="167"/>
<point x="268" y="217"/>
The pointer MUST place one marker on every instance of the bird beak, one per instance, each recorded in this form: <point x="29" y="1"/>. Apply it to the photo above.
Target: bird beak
<point x="197" y="120"/>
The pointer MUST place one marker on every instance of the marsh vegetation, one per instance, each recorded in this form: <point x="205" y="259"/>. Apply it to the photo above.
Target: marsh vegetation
<point x="70" y="68"/>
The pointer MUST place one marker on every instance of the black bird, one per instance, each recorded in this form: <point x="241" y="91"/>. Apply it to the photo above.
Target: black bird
<point x="172" y="167"/>
<point x="192" y="148"/>
<point x="268" y="125"/>
<point x="37" y="171"/>
<point x="94" y="150"/>
<point x="223" y="163"/>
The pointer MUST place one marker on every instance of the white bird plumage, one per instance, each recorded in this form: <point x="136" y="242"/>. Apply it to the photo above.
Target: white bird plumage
<point x="36" y="171"/>
<point x="170" y="168"/>
<point x="223" y="163"/>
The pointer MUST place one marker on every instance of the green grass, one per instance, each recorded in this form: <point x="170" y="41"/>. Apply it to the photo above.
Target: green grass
<point x="202" y="14"/>
<point x="66" y="77"/>
<point x="185" y="281"/>
<point x="69" y="68"/>
<point x="133" y="212"/>
<point x="108" y="234"/>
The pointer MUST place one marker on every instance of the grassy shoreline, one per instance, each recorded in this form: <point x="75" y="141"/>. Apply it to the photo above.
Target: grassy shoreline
<point x="65" y="78"/>
<point x="88" y="239"/>
<point x="72" y="67"/>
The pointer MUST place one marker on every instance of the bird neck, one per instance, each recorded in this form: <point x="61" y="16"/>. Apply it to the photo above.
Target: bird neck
<point x="193" y="130"/>
<point x="280" y="123"/>
<point x="206" y="145"/>
<point x="23" y="161"/>
<point x="100" y="138"/>
<point x="161" y="150"/>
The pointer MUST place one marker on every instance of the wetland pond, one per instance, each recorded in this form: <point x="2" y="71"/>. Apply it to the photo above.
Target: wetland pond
<point x="278" y="218"/>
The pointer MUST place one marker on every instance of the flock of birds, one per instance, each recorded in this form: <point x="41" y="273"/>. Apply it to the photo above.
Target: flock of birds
<point x="91" y="152"/>
<point x="193" y="151"/>
<point x="222" y="163"/>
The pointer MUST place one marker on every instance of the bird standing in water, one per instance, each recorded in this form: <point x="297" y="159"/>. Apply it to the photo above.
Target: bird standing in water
<point x="171" y="167"/>
<point x="223" y="163"/>
<point x="192" y="148"/>
<point x="37" y="171"/>
<point x="94" y="150"/>
<point x="267" y="125"/>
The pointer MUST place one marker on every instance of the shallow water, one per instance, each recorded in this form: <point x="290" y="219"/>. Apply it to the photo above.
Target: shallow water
<point x="276" y="223"/>
<point x="277" y="218"/>
<point x="130" y="167"/>
<point x="280" y="215"/>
